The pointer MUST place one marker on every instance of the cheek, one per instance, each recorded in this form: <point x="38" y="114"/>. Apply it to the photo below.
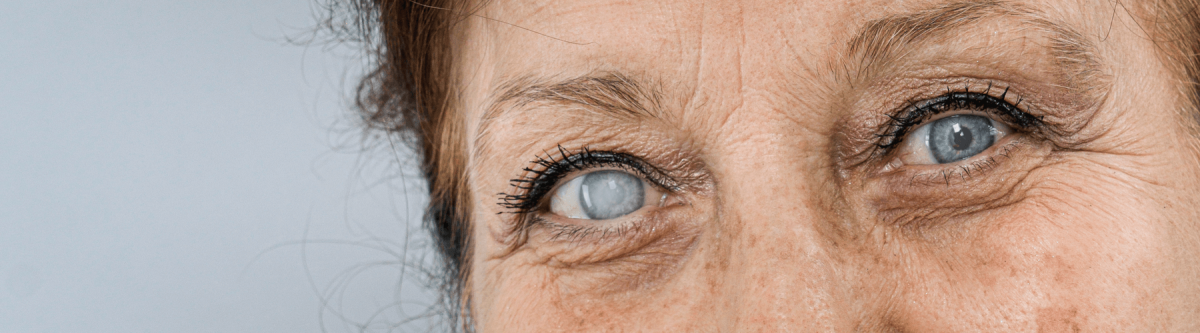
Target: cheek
<point x="507" y="299"/>
<point x="533" y="298"/>
<point x="536" y="289"/>
<point x="1067" y="256"/>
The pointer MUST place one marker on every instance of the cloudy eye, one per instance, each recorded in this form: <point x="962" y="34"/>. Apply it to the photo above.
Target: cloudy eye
<point x="952" y="139"/>
<point x="602" y="195"/>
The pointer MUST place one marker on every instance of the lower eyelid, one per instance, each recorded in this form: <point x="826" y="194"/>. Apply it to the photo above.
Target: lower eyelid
<point x="564" y="228"/>
<point x="624" y="256"/>
<point x="934" y="194"/>
<point x="975" y="166"/>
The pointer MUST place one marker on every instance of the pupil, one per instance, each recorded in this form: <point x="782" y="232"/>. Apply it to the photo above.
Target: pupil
<point x="959" y="137"/>
<point x="962" y="138"/>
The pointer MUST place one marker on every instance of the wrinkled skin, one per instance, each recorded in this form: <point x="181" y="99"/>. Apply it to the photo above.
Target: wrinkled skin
<point x="785" y="214"/>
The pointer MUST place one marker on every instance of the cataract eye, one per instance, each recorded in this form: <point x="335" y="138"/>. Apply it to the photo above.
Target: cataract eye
<point x="952" y="139"/>
<point x="602" y="195"/>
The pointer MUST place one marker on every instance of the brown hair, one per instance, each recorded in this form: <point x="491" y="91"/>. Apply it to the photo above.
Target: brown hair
<point x="409" y="93"/>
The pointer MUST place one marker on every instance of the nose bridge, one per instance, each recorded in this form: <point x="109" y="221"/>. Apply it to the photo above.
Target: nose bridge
<point x="781" y="275"/>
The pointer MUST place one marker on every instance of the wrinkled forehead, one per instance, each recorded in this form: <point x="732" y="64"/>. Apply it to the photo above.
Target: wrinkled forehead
<point x="659" y="36"/>
<point x="688" y="53"/>
<point x="572" y="38"/>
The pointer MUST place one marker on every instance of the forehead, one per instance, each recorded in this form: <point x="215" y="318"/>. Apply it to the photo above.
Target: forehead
<point x="665" y="36"/>
<point x="710" y="59"/>
<point x="556" y="38"/>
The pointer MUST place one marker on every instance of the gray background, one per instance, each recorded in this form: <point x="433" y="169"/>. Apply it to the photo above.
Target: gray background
<point x="175" y="166"/>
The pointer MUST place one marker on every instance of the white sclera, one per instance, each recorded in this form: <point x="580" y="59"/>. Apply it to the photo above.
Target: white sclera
<point x="565" y="201"/>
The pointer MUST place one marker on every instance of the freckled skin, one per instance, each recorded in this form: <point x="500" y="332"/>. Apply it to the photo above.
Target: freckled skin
<point x="784" y="229"/>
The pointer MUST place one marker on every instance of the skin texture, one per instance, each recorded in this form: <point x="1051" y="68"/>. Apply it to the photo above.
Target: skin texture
<point x="784" y="214"/>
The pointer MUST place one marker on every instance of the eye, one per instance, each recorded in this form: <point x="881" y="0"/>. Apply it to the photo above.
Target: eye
<point x="952" y="139"/>
<point x="603" y="195"/>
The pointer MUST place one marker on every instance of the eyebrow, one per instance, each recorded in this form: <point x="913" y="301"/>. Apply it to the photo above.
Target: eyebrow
<point x="884" y="40"/>
<point x="613" y="94"/>
<point x="611" y="91"/>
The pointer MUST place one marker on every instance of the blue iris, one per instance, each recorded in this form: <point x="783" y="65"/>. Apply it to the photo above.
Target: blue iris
<point x="959" y="137"/>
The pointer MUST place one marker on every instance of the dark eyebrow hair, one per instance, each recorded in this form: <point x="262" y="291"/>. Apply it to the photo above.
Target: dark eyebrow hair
<point x="881" y="41"/>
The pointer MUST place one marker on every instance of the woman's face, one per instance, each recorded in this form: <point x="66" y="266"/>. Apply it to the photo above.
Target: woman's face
<point x="802" y="166"/>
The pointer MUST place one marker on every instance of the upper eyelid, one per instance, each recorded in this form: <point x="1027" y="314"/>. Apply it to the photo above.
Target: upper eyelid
<point x="917" y="112"/>
<point x="531" y="189"/>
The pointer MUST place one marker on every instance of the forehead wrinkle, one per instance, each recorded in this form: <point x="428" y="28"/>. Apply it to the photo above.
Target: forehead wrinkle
<point x="883" y="41"/>
<point x="609" y="94"/>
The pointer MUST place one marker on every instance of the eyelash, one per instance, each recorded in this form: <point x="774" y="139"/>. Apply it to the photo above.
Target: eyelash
<point x="916" y="113"/>
<point x="543" y="177"/>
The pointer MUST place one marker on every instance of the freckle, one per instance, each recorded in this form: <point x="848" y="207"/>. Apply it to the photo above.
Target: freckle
<point x="1057" y="320"/>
